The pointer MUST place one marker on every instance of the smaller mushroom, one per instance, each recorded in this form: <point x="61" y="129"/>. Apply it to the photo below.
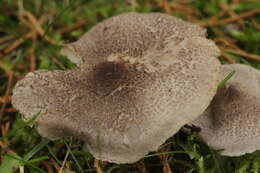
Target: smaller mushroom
<point x="231" y="124"/>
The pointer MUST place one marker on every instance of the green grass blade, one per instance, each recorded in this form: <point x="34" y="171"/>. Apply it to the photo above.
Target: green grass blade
<point x="73" y="157"/>
<point x="9" y="163"/>
<point x="165" y="153"/>
<point x="226" y="79"/>
<point x="37" y="148"/>
<point x="25" y="124"/>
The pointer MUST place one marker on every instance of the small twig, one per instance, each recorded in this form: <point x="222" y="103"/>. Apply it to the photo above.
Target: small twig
<point x="73" y="156"/>
<point x="184" y="8"/>
<point x="16" y="44"/>
<point x="32" y="58"/>
<point x="5" y="128"/>
<point x="58" y="63"/>
<point x="166" y="6"/>
<point x="230" y="12"/>
<point x="243" y="53"/>
<point x="68" y="166"/>
<point x="164" y="160"/>
<point x="7" y="38"/>
<point x="31" y="50"/>
<point x="141" y="166"/>
<point x="238" y="17"/>
<point x="228" y="59"/>
<point x="177" y="7"/>
<point x="37" y="26"/>
<point x="97" y="166"/>
<point x="5" y="99"/>
<point x="65" y="159"/>
<point x="20" y="41"/>
<point x="47" y="166"/>
<point x="257" y="26"/>
<point x="21" y="169"/>
<point x="23" y="20"/>
<point x="56" y="165"/>
<point x="213" y="22"/>
<point x="10" y="110"/>
<point x="74" y="27"/>
<point x="7" y="93"/>
<point x="235" y="1"/>
<point x="226" y="42"/>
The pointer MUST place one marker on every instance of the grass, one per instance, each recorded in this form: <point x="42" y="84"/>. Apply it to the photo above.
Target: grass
<point x="33" y="41"/>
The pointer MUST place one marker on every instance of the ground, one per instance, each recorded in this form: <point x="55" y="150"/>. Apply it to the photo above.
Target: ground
<point x="31" y="35"/>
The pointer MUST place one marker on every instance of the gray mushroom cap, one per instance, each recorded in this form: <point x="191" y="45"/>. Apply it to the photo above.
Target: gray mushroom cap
<point x="125" y="106"/>
<point x="130" y="35"/>
<point x="232" y="122"/>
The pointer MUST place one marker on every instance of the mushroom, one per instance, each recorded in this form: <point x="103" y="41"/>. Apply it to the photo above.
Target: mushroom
<point x="130" y="35"/>
<point x="141" y="77"/>
<point x="231" y="124"/>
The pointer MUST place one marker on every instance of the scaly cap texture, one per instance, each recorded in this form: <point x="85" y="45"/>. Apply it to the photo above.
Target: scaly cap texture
<point x="232" y="122"/>
<point x="130" y="35"/>
<point x="125" y="106"/>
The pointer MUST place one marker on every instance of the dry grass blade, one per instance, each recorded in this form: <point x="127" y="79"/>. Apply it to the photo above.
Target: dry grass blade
<point x="243" y="53"/>
<point x="227" y="58"/>
<point x="47" y="166"/>
<point x="7" y="38"/>
<point x="141" y="167"/>
<point x="214" y="21"/>
<point x="7" y="93"/>
<point x="10" y="110"/>
<point x="226" y="42"/>
<point x="64" y="162"/>
<point x="238" y="17"/>
<point x="37" y="26"/>
<point x="235" y="1"/>
<point x="257" y="25"/>
<point x="32" y="58"/>
<point x="5" y="127"/>
<point x="166" y="6"/>
<point x="97" y="166"/>
<point x="56" y="166"/>
<point x="74" y="27"/>
<point x="225" y="7"/>
<point x="20" y="41"/>
<point x="5" y="99"/>
<point x="164" y="160"/>
<point x="184" y="8"/>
